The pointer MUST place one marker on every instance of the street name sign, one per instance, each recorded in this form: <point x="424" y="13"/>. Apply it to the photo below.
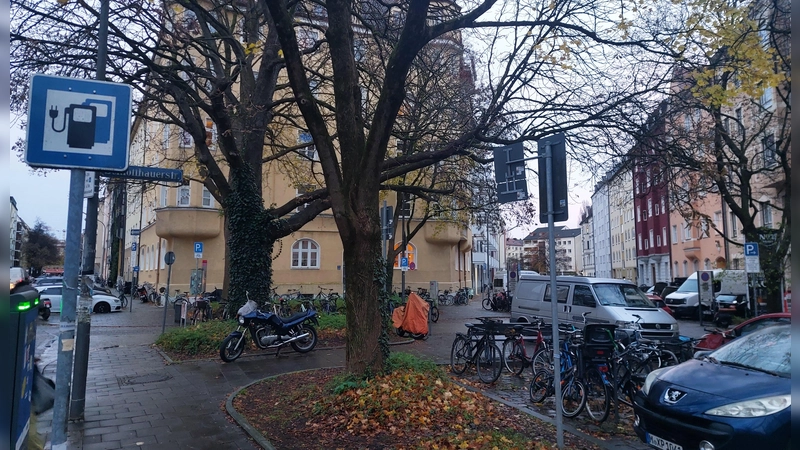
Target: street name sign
<point x="78" y="124"/>
<point x="148" y="173"/>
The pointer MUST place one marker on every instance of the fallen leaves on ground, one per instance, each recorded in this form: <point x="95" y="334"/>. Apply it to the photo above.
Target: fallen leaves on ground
<point x="404" y="410"/>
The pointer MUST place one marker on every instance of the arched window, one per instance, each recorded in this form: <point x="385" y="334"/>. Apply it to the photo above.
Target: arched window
<point x="707" y="264"/>
<point x="305" y="254"/>
<point x="411" y="254"/>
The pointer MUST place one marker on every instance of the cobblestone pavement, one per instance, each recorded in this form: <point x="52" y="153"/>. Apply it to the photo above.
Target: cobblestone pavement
<point x="136" y="400"/>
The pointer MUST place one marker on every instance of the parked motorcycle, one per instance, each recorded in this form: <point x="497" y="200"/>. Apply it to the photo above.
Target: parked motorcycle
<point x="269" y="330"/>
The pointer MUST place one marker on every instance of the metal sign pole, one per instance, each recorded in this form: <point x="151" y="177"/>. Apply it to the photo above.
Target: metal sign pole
<point x="169" y="258"/>
<point x="554" y="295"/>
<point x="66" y="341"/>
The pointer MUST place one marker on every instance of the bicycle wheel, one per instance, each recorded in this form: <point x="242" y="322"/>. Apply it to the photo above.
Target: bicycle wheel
<point x="490" y="362"/>
<point x="450" y="299"/>
<point x="459" y="355"/>
<point x="573" y="397"/>
<point x="123" y="300"/>
<point x="668" y="359"/>
<point x="513" y="356"/>
<point x="541" y="386"/>
<point x="487" y="304"/>
<point x="196" y="315"/>
<point x="598" y="395"/>
<point x="434" y="314"/>
<point x="542" y="361"/>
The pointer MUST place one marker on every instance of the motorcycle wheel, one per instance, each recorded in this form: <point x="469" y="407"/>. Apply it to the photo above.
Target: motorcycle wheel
<point x="228" y="351"/>
<point x="45" y="314"/>
<point x="307" y="344"/>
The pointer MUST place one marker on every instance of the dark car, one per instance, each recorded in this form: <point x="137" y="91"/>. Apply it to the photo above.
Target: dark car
<point x="717" y="338"/>
<point x="49" y="281"/>
<point x="736" y="397"/>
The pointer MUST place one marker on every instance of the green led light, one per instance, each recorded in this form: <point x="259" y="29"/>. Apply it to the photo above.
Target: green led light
<point x="36" y="302"/>
<point x="23" y="306"/>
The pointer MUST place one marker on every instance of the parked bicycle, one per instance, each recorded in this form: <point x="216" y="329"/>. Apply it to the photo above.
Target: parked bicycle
<point x="573" y="391"/>
<point x="477" y="347"/>
<point x="515" y="352"/>
<point x="326" y="301"/>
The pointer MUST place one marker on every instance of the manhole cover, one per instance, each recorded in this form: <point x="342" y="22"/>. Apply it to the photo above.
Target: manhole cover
<point x="142" y="379"/>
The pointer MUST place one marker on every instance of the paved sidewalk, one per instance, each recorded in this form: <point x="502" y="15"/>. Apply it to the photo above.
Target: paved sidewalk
<point x="135" y="400"/>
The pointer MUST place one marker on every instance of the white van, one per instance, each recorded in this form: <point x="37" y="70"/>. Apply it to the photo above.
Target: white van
<point x="500" y="282"/>
<point x="684" y="301"/>
<point x="609" y="301"/>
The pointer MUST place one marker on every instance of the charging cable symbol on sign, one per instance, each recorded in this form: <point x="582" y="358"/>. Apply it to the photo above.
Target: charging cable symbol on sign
<point x="85" y="127"/>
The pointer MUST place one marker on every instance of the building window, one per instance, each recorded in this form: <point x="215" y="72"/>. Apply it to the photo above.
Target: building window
<point x="646" y="244"/>
<point x="638" y="214"/>
<point x="184" y="195"/>
<point x="211" y="134"/>
<point x="649" y="207"/>
<point x="640" y="240"/>
<point x="208" y="200"/>
<point x="664" y="234"/>
<point x="185" y="139"/>
<point x="303" y="190"/>
<point x="739" y="120"/>
<point x="766" y="97"/>
<point x="658" y="241"/>
<point x="687" y="232"/>
<point x="685" y="268"/>
<point x="165" y="137"/>
<point x="768" y="150"/>
<point x="651" y="237"/>
<point x="718" y="220"/>
<point x="766" y="215"/>
<point x="164" y="193"/>
<point x="306" y="38"/>
<point x="310" y="150"/>
<point x="411" y="254"/>
<point x="707" y="264"/>
<point x="305" y="254"/>
<point x="734" y="230"/>
<point x="161" y="262"/>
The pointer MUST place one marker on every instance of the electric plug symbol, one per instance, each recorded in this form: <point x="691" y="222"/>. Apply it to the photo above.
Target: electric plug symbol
<point x="53" y="115"/>
<point x="53" y="112"/>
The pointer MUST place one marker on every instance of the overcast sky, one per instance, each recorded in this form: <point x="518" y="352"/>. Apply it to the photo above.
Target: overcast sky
<point x="43" y="197"/>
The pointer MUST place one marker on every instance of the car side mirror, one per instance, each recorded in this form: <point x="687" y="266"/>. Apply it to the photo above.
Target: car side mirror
<point x="701" y="353"/>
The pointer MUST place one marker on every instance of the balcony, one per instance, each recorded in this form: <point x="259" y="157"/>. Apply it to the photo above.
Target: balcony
<point x="193" y="223"/>
<point x="692" y="251"/>
<point x="447" y="233"/>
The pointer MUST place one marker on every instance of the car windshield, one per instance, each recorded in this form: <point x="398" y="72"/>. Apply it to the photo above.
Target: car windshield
<point x="689" y="285"/>
<point x="621" y="295"/>
<point x="768" y="350"/>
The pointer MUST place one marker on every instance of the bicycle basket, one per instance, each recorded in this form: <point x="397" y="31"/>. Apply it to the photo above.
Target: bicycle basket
<point x="598" y="341"/>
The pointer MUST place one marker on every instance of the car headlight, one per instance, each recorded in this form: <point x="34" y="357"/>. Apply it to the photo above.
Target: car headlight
<point x="624" y="324"/>
<point x="753" y="408"/>
<point x="241" y="320"/>
<point x="651" y="378"/>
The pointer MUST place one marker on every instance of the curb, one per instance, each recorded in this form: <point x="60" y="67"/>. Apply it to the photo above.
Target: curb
<point x="242" y="421"/>
<point x="171" y="361"/>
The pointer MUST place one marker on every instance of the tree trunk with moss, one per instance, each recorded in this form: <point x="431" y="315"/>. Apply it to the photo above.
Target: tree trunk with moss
<point x="250" y="242"/>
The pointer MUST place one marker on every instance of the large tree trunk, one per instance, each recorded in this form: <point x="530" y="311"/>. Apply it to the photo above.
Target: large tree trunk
<point x="367" y="343"/>
<point x="249" y="242"/>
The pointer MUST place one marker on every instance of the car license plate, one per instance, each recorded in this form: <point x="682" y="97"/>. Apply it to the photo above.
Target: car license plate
<point x="661" y="443"/>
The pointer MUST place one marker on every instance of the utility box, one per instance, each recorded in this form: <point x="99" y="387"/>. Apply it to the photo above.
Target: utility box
<point x="20" y="352"/>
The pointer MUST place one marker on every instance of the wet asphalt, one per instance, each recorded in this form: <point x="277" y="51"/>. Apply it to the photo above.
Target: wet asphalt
<point x="137" y="399"/>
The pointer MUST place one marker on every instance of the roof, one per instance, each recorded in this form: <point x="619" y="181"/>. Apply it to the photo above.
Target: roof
<point x="560" y="232"/>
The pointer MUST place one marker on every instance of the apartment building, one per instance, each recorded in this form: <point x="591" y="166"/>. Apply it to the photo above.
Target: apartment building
<point x="587" y="242"/>
<point x="621" y="223"/>
<point x="166" y="217"/>
<point x="568" y="242"/>
<point x="19" y="231"/>
<point x="601" y="230"/>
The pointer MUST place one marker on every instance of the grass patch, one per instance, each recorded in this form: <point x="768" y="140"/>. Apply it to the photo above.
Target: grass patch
<point x="332" y="321"/>
<point x="199" y="339"/>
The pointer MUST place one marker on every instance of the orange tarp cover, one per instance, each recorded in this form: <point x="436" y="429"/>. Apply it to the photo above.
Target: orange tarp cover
<point x="413" y="317"/>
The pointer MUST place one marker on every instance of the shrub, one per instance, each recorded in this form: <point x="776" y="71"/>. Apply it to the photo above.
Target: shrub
<point x="197" y="339"/>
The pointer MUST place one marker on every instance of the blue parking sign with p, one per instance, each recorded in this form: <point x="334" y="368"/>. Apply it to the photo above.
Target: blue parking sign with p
<point x="198" y="247"/>
<point x="750" y="249"/>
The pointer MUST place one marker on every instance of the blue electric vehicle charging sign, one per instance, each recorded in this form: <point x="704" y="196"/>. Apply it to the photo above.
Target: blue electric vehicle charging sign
<point x="78" y="124"/>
